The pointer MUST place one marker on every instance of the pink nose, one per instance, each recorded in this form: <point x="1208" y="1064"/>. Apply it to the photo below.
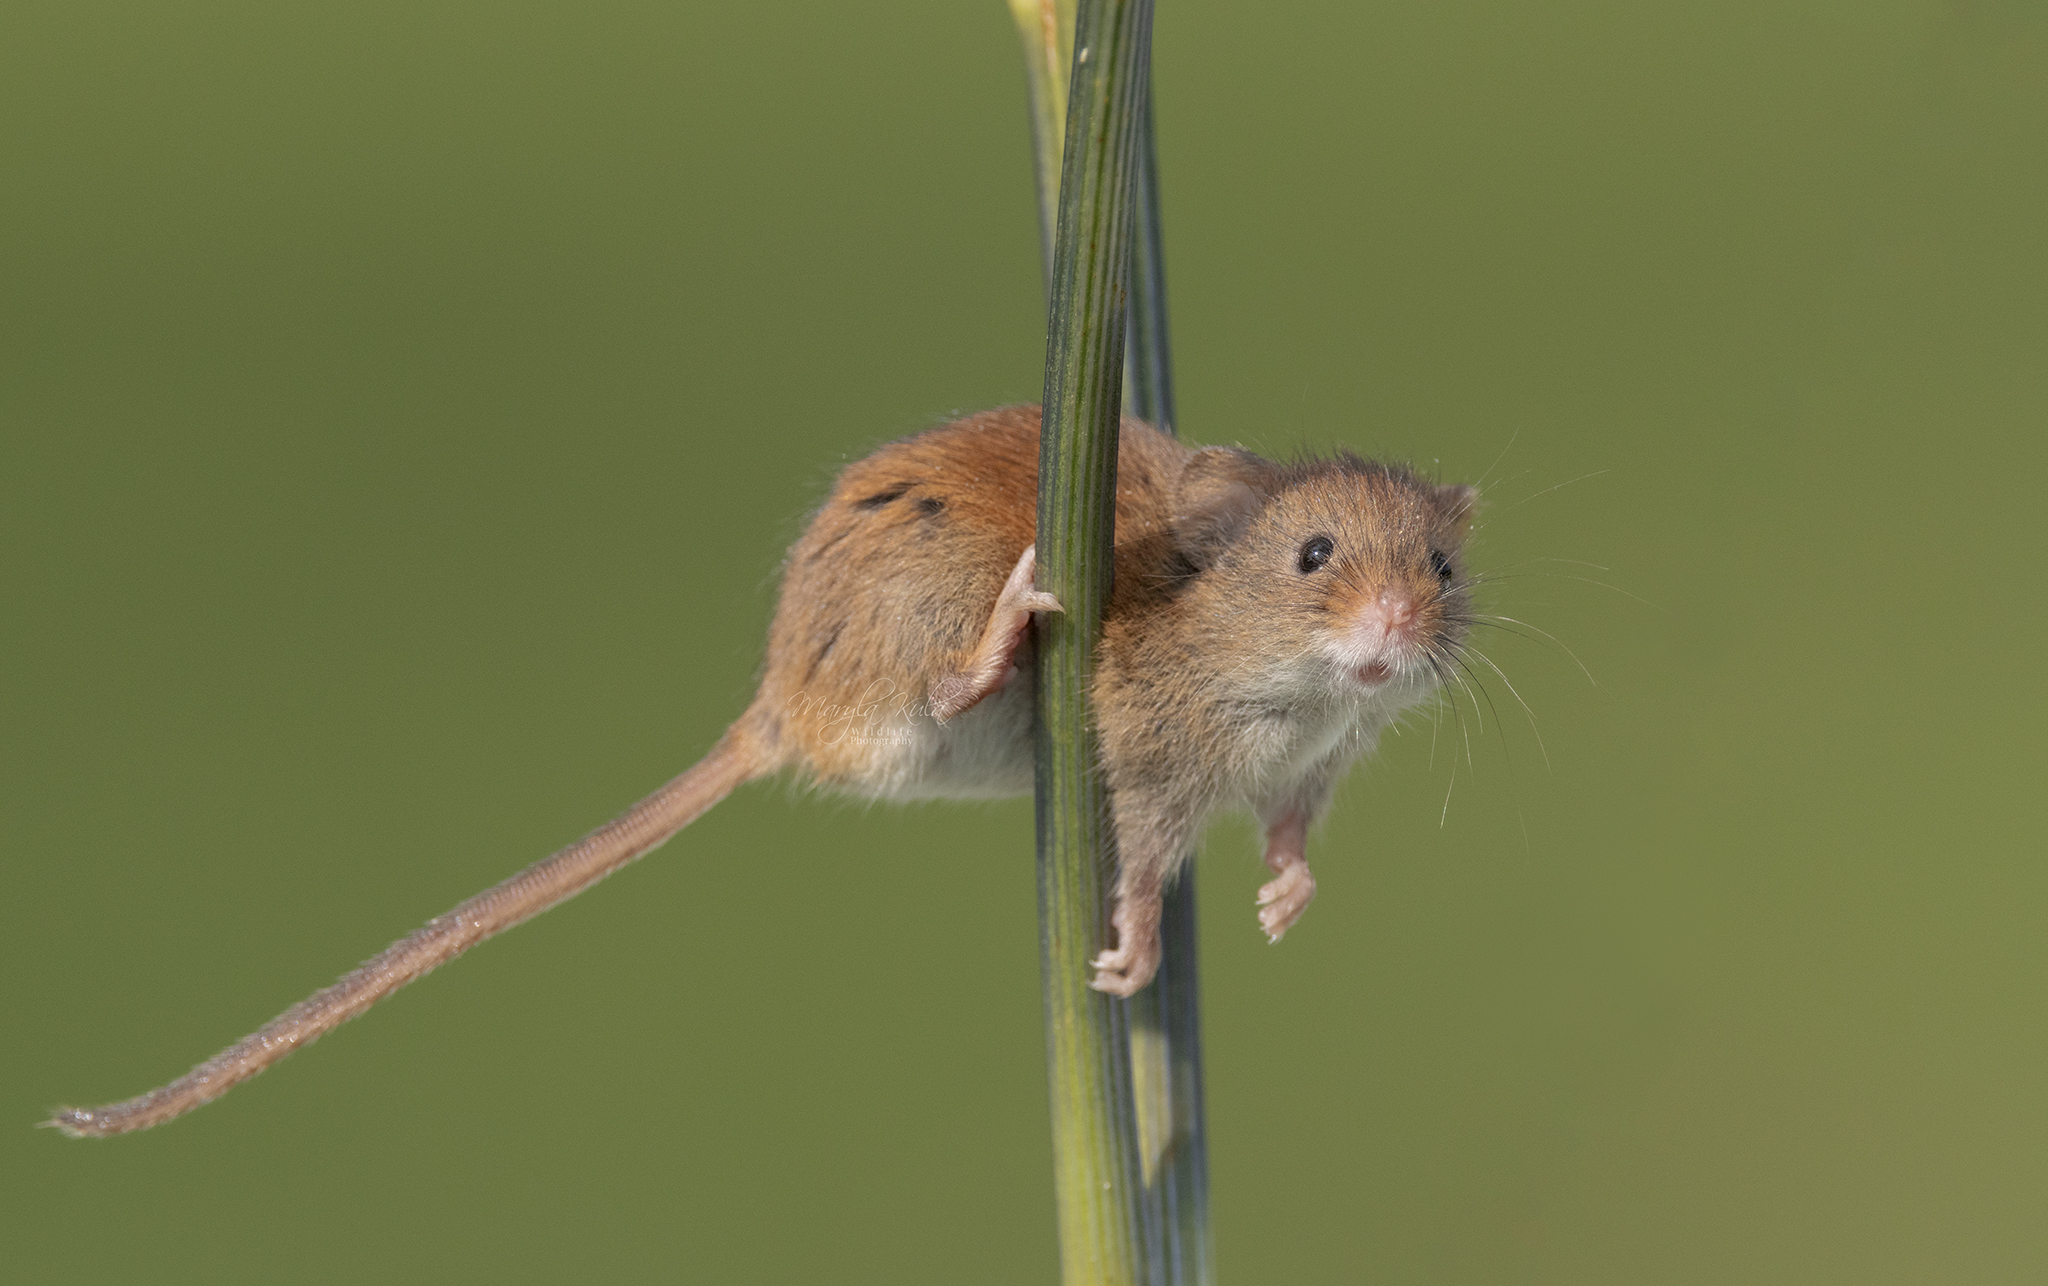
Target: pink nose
<point x="1393" y="612"/>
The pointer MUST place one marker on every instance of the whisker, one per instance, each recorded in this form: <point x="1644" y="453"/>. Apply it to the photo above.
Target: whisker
<point x="1547" y="490"/>
<point x="1524" y="704"/>
<point x="1584" y="580"/>
<point x="1499" y="728"/>
<point x="1493" y="622"/>
<point x="1481" y="484"/>
<point x="1458" y="711"/>
<point x="1435" y="711"/>
<point x="1436" y="665"/>
<point x="1508" y="629"/>
<point x="1469" y="762"/>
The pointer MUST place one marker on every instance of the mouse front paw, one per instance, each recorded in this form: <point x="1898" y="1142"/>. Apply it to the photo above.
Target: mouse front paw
<point x="1284" y="898"/>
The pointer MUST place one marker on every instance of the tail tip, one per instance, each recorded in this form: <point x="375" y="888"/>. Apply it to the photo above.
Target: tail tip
<point x="74" y="1123"/>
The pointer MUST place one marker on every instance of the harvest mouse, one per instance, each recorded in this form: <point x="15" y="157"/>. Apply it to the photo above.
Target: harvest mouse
<point x="1267" y="622"/>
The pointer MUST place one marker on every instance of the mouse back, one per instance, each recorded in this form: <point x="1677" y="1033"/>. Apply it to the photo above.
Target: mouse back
<point x="893" y="580"/>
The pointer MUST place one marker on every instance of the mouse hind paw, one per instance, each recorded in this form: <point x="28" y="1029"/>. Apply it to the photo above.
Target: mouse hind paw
<point x="993" y="661"/>
<point x="1135" y="961"/>
<point x="1124" y="972"/>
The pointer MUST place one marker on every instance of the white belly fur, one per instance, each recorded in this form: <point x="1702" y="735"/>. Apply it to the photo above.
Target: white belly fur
<point x="985" y="753"/>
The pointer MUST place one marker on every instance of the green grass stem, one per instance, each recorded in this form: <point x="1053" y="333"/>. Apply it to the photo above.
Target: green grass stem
<point x="1166" y="1018"/>
<point x="1047" y="29"/>
<point x="1098" y="1174"/>
<point x="1163" y="1023"/>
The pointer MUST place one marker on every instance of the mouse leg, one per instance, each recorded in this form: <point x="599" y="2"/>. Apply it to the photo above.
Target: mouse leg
<point x="1148" y="849"/>
<point x="1126" y="970"/>
<point x="990" y="665"/>
<point x="1287" y="895"/>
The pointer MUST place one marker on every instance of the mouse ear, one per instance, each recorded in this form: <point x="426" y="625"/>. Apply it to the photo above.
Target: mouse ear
<point x="1218" y="492"/>
<point x="1458" y="503"/>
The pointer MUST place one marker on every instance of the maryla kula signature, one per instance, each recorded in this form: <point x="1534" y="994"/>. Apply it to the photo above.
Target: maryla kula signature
<point x="879" y="713"/>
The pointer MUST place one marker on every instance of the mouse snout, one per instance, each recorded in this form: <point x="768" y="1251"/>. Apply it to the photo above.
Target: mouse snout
<point x="1391" y="614"/>
<point x="1382" y="635"/>
<point x="1386" y="622"/>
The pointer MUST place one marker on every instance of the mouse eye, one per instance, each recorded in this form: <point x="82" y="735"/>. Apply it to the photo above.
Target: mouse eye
<point x="1441" y="564"/>
<point x="1317" y="552"/>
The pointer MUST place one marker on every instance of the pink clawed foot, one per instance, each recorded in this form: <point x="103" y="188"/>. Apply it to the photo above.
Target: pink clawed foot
<point x="1126" y="970"/>
<point x="992" y="663"/>
<point x="1282" y="901"/>
<point x="1287" y="895"/>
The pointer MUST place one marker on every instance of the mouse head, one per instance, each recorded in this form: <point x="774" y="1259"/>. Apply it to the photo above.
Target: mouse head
<point x="1354" y="570"/>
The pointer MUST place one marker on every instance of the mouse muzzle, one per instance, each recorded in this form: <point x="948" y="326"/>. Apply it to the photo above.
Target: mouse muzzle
<point x="1382" y="638"/>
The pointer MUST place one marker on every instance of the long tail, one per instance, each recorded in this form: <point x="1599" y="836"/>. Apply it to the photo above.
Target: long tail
<point x="734" y="760"/>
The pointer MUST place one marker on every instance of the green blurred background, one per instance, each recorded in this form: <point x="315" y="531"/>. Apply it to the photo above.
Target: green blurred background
<point x="405" y="406"/>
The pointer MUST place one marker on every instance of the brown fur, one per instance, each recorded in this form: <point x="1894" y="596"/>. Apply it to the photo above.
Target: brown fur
<point x="891" y="584"/>
<point x="1231" y="674"/>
